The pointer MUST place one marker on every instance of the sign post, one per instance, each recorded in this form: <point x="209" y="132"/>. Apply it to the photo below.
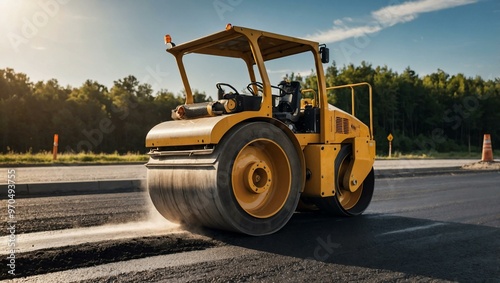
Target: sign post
<point x="390" y="138"/>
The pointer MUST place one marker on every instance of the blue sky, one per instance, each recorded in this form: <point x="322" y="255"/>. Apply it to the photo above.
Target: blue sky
<point x="75" y="40"/>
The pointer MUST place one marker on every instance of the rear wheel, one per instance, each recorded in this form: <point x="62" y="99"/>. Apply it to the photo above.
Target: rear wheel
<point x="345" y="202"/>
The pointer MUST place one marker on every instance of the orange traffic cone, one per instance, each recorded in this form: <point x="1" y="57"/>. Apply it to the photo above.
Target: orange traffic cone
<point x="487" y="149"/>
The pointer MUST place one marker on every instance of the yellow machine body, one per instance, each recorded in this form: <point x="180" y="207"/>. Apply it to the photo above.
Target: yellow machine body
<point x="317" y="149"/>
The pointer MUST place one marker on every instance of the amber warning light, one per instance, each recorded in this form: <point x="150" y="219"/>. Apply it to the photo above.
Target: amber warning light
<point x="168" y="41"/>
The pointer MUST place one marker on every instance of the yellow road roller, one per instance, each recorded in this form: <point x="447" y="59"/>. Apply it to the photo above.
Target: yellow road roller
<point x="249" y="158"/>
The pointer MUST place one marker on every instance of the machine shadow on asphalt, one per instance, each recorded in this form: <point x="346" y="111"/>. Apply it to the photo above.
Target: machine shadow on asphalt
<point x="441" y="250"/>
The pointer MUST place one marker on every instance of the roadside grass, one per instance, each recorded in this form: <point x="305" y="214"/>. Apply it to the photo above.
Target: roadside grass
<point x="46" y="158"/>
<point x="13" y="158"/>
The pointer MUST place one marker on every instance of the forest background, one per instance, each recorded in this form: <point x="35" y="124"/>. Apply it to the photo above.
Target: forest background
<point x="426" y="114"/>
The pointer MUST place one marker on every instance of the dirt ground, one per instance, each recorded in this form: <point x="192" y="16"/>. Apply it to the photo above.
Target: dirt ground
<point x="495" y="165"/>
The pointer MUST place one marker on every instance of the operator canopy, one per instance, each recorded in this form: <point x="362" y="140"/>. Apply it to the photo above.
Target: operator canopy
<point x="234" y="42"/>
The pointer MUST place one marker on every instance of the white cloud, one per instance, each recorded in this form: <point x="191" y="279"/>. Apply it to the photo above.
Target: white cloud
<point x="384" y="18"/>
<point x="341" y="32"/>
<point x="408" y="11"/>
<point x="338" y="22"/>
<point x="38" y="47"/>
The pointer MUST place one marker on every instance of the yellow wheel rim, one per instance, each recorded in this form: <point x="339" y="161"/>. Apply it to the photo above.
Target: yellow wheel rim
<point x="261" y="178"/>
<point x="347" y="199"/>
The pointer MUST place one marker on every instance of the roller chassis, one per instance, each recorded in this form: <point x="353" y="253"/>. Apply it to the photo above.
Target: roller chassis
<point x="244" y="162"/>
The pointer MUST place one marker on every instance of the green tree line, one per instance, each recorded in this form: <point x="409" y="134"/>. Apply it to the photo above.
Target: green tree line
<point x="90" y="118"/>
<point x="435" y="112"/>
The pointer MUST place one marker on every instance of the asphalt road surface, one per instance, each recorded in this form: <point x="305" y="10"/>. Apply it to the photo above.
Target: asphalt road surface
<point x="425" y="229"/>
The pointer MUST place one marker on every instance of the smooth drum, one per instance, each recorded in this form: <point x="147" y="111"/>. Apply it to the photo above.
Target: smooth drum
<point x="250" y="184"/>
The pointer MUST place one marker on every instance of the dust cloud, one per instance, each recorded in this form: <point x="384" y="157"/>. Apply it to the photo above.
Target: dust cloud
<point x="154" y="218"/>
<point x="154" y="225"/>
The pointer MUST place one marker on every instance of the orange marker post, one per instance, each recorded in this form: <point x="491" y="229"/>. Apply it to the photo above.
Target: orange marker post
<point x="487" y="149"/>
<point x="56" y="144"/>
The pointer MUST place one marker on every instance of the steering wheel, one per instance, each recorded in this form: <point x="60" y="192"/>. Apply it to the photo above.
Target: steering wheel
<point x="222" y="93"/>
<point x="283" y="86"/>
<point x="259" y="85"/>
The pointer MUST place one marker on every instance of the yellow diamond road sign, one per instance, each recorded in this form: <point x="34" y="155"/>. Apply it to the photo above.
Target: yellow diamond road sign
<point x="390" y="137"/>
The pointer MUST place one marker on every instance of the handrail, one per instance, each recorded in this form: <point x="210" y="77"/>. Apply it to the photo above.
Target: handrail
<point x="314" y="93"/>
<point x="352" y="86"/>
<point x="309" y="90"/>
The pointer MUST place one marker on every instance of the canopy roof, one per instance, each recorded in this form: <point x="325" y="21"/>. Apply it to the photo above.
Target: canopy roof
<point x="234" y="42"/>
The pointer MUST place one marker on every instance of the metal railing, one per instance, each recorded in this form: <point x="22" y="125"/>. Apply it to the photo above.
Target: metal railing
<point x="352" y="86"/>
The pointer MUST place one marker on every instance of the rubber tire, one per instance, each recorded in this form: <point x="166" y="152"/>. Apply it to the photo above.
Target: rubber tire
<point x="332" y="205"/>
<point x="229" y="148"/>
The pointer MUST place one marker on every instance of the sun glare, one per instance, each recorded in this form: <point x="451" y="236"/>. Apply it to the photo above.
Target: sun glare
<point x="12" y="12"/>
<point x="9" y="6"/>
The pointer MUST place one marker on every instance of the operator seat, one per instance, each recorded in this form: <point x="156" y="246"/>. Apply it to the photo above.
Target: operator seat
<point x="288" y="108"/>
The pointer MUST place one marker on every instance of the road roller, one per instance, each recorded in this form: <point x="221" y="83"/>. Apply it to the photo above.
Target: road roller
<point x="247" y="160"/>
